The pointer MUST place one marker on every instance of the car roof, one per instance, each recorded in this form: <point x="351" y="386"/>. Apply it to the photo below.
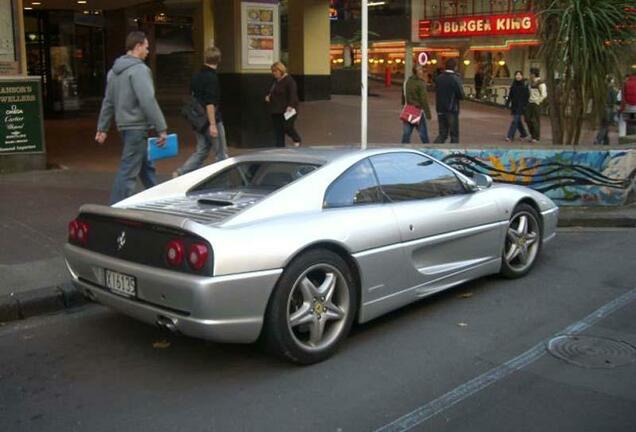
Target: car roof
<point x="319" y="155"/>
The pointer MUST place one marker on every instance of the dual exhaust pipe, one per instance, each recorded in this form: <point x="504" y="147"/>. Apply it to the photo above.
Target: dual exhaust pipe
<point x="167" y="323"/>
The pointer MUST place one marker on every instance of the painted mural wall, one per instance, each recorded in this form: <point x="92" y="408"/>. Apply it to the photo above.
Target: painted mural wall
<point x="581" y="178"/>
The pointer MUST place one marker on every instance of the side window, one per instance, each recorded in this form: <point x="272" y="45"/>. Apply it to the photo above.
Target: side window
<point x="358" y="185"/>
<point x="409" y="176"/>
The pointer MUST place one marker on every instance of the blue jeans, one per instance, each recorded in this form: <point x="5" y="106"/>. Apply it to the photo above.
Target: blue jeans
<point x="134" y="163"/>
<point x="514" y="125"/>
<point x="205" y="143"/>
<point x="407" y="130"/>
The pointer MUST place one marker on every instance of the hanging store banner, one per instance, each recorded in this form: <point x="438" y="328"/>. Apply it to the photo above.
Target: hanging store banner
<point x="260" y="31"/>
<point x="21" y="123"/>
<point x="486" y="25"/>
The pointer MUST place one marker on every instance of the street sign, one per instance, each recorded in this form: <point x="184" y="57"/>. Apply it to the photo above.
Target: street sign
<point x="21" y="123"/>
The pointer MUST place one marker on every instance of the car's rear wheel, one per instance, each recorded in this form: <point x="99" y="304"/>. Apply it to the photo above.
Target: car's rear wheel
<point x="523" y="242"/>
<point x="312" y="308"/>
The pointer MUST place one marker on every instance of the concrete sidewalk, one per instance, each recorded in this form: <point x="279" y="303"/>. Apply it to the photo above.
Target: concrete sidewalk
<point x="36" y="209"/>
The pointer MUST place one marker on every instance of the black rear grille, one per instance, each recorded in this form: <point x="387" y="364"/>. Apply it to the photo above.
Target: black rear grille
<point x="144" y="243"/>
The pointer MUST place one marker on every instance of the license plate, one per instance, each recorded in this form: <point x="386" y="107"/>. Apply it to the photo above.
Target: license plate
<point x="121" y="284"/>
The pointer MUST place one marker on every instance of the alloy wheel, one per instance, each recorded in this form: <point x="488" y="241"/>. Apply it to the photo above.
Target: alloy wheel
<point x="522" y="241"/>
<point x="317" y="307"/>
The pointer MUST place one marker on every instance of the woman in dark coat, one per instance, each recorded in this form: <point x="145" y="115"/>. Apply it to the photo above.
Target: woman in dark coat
<point x="517" y="101"/>
<point x="283" y="105"/>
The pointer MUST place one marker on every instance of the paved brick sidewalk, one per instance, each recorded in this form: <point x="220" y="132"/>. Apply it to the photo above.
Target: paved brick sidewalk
<point x="335" y="122"/>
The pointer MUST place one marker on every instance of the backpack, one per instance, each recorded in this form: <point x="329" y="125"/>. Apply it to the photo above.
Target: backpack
<point x="194" y="112"/>
<point x="629" y="91"/>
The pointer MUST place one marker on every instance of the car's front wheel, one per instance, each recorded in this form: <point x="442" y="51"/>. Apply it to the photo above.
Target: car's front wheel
<point x="312" y="308"/>
<point x="523" y="242"/>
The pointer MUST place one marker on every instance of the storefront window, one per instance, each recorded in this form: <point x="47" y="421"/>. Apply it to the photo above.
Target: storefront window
<point x="350" y="9"/>
<point x="453" y="8"/>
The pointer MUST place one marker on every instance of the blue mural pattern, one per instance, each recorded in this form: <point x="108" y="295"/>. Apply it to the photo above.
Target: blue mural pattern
<point x="569" y="178"/>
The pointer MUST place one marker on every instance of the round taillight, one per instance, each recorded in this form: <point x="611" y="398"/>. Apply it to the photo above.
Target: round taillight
<point x="197" y="256"/>
<point x="82" y="233"/>
<point x="174" y="252"/>
<point x="73" y="228"/>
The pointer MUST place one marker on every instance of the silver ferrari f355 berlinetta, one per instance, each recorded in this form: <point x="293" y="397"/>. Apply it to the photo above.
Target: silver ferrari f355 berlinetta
<point x="294" y="245"/>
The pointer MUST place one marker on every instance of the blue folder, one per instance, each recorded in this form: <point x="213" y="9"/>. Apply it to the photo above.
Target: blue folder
<point x="170" y="149"/>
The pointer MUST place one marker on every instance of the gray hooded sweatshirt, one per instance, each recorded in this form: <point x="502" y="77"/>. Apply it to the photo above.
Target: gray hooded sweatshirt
<point x="130" y="96"/>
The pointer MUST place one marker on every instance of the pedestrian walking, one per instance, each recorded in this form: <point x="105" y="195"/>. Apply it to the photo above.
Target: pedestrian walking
<point x="449" y="91"/>
<point x="479" y="83"/>
<point x="607" y="113"/>
<point x="628" y="104"/>
<point x="538" y="93"/>
<point x="415" y="94"/>
<point x="282" y="100"/>
<point x="517" y="101"/>
<point x="130" y="98"/>
<point x="205" y="89"/>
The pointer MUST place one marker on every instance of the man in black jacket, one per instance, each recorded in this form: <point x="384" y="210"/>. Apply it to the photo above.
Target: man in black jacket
<point x="206" y="90"/>
<point x="449" y="91"/>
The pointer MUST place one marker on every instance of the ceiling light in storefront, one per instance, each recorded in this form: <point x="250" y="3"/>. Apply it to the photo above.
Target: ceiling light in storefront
<point x="390" y="62"/>
<point x="376" y="3"/>
<point x="467" y="62"/>
<point x="28" y="8"/>
<point x="501" y="62"/>
<point x="381" y="60"/>
<point x="398" y="60"/>
<point x="434" y="61"/>
<point x="86" y="12"/>
<point x="370" y="60"/>
<point x="36" y="3"/>
<point x="81" y="2"/>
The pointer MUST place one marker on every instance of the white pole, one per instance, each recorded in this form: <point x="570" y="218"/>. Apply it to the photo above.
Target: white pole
<point x="365" y="65"/>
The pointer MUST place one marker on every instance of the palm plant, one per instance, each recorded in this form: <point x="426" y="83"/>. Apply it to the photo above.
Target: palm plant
<point x="351" y="44"/>
<point x="583" y="43"/>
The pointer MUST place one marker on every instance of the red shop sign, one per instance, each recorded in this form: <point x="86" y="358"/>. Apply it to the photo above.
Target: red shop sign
<point x="485" y="25"/>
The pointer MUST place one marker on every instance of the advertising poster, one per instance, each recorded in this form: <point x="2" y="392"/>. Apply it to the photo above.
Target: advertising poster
<point x="260" y="34"/>
<point x="8" y="61"/>
<point x="20" y="116"/>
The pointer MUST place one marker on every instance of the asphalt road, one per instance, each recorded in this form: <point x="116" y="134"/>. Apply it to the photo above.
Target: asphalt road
<point x="470" y="359"/>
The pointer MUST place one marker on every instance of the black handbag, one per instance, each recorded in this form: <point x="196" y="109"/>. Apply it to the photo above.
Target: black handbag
<point x="195" y="114"/>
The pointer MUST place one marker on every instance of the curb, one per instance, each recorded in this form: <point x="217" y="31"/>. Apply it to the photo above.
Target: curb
<point x="616" y="222"/>
<point x="41" y="301"/>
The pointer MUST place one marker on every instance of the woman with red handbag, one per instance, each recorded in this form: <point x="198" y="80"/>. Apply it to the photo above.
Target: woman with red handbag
<point x="416" y="106"/>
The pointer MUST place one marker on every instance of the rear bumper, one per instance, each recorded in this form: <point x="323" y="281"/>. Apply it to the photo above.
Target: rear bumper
<point x="223" y="308"/>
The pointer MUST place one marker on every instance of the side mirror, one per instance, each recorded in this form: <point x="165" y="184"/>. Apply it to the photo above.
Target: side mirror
<point x="482" y="180"/>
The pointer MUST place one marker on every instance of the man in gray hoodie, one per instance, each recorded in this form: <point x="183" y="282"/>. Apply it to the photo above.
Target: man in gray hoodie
<point x="130" y="97"/>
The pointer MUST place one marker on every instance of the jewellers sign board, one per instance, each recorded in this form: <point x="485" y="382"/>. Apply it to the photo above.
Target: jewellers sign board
<point x="21" y="122"/>
<point x="486" y="25"/>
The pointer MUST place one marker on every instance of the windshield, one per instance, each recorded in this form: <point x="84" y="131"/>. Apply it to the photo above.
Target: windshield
<point x="258" y="175"/>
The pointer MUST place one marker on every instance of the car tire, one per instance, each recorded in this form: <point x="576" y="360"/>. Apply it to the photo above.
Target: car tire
<point x="522" y="243"/>
<point x="312" y="308"/>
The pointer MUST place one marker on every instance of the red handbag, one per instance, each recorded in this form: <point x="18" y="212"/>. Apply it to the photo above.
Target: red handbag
<point x="411" y="114"/>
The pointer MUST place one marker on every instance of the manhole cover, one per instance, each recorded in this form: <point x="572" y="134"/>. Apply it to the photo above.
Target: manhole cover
<point x="592" y="352"/>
